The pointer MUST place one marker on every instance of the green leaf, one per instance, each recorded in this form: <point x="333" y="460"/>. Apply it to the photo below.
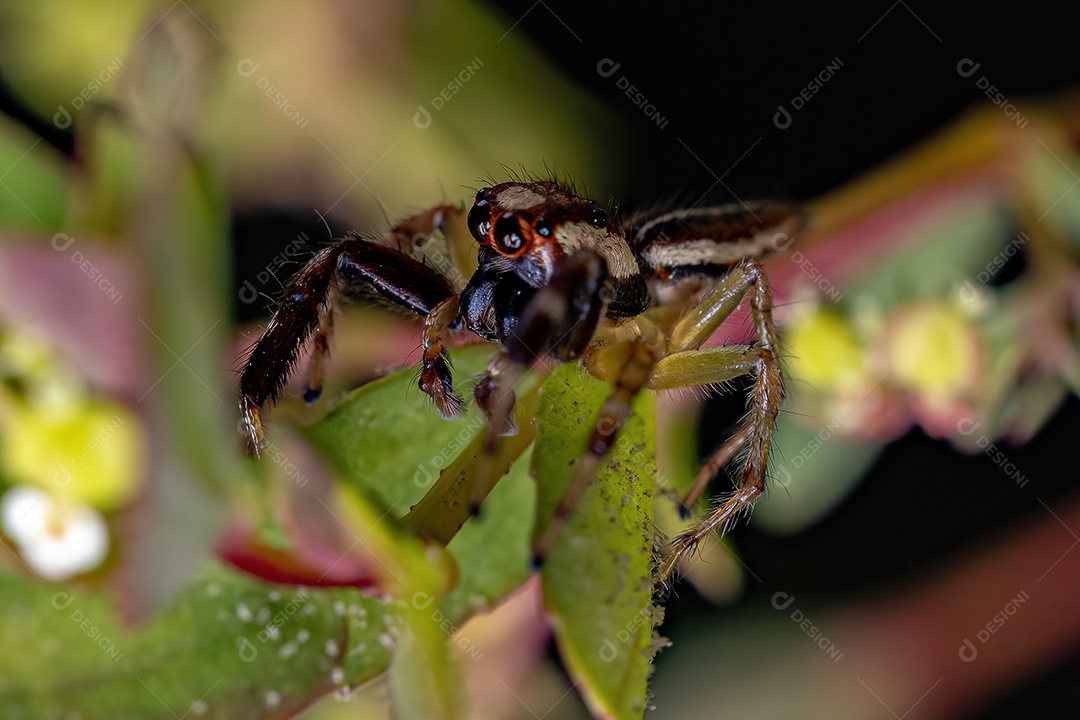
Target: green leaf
<point x="598" y="581"/>
<point x="388" y="442"/>
<point x="33" y="193"/>
<point x="228" y="647"/>
<point x="472" y="475"/>
<point x="425" y="682"/>
<point x="493" y="550"/>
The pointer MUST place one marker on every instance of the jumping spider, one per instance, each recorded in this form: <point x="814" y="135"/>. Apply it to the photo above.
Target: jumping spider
<point x="558" y="280"/>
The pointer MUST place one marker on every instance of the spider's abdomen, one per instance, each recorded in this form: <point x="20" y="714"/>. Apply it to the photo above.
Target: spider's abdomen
<point x="709" y="240"/>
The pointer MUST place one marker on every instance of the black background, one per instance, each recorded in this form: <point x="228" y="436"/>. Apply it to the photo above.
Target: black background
<point x="718" y="71"/>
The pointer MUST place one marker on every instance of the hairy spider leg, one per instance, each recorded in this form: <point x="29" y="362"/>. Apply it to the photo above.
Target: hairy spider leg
<point x="703" y="241"/>
<point x="716" y="462"/>
<point x="272" y="358"/>
<point x="354" y="268"/>
<point x="631" y="378"/>
<point x="693" y="368"/>
<point x="558" y="321"/>
<point x="320" y="349"/>
<point x="435" y="373"/>
<point x="688" y="367"/>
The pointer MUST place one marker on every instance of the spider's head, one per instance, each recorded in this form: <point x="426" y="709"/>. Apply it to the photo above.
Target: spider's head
<point x="526" y="227"/>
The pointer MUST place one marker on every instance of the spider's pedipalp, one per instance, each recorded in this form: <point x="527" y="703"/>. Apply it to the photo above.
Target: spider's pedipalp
<point x="558" y="321"/>
<point x="436" y="380"/>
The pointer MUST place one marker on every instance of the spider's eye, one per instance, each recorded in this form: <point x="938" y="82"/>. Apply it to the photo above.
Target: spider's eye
<point x="481" y="194"/>
<point x="508" y="233"/>
<point x="599" y="218"/>
<point x="479" y="219"/>
<point x="545" y="227"/>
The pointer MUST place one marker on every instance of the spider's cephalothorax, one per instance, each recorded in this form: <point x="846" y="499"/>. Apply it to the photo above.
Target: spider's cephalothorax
<point x="558" y="280"/>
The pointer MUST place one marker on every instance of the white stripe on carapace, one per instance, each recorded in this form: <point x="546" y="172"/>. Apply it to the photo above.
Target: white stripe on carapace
<point x="707" y="252"/>
<point x="517" y="197"/>
<point x="620" y="260"/>
<point x="680" y="215"/>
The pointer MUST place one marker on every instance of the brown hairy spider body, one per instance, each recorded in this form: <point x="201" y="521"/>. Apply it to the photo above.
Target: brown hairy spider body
<point x="557" y="280"/>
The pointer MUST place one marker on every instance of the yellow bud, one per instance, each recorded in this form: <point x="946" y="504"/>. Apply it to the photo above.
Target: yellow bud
<point x="824" y="350"/>
<point x="42" y="380"/>
<point x="934" y="348"/>
<point x="90" y="455"/>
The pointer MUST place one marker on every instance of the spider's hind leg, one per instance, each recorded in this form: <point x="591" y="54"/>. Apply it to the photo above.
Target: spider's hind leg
<point x="688" y="366"/>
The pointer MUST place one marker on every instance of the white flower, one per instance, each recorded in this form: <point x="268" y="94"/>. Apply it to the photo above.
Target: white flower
<point x="56" y="541"/>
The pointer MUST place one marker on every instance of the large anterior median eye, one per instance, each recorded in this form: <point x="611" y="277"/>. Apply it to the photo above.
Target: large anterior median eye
<point x="508" y="233"/>
<point x="480" y="218"/>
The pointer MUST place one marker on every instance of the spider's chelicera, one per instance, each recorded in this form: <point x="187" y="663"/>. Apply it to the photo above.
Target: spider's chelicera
<point x="558" y="280"/>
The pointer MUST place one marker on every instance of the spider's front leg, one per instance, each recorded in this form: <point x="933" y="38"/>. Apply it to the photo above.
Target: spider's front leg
<point x="359" y="270"/>
<point x="630" y="366"/>
<point x="559" y="322"/>
<point x="688" y="366"/>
